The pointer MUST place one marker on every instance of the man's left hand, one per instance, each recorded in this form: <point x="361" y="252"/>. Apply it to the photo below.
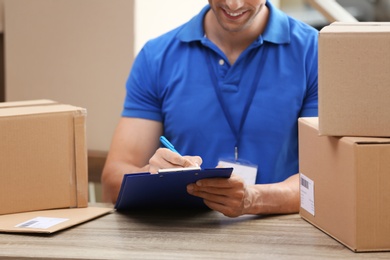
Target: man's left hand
<point x="229" y="196"/>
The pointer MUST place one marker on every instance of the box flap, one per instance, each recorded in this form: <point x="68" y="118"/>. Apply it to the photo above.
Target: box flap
<point x="81" y="159"/>
<point x="35" y="110"/>
<point x="314" y="123"/>
<point x="360" y="27"/>
<point x="370" y="140"/>
<point x="27" y="103"/>
<point x="49" y="221"/>
<point x="372" y="196"/>
<point x="360" y="24"/>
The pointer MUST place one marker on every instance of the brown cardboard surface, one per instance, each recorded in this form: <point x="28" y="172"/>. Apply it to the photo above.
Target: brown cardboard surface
<point x="43" y="157"/>
<point x="9" y="223"/>
<point x="353" y="79"/>
<point x="351" y="186"/>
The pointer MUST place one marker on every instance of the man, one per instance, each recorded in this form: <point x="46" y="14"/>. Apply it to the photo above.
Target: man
<point x="231" y="82"/>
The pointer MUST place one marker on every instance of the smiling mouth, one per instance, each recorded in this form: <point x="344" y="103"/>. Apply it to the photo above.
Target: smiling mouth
<point x="235" y="14"/>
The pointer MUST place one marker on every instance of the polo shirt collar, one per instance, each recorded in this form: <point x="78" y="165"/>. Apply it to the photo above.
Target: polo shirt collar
<point x="277" y="30"/>
<point x="278" y="27"/>
<point x="194" y="30"/>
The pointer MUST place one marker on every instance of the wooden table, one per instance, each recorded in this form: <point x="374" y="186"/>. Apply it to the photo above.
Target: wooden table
<point x="182" y="235"/>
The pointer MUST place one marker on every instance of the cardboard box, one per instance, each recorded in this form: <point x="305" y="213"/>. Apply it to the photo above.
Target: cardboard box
<point x="353" y="79"/>
<point x="43" y="156"/>
<point x="345" y="187"/>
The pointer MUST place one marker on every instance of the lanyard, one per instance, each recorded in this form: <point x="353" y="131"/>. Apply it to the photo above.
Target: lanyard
<point x="253" y="86"/>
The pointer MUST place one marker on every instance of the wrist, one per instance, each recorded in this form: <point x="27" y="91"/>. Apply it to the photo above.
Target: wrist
<point x="249" y="200"/>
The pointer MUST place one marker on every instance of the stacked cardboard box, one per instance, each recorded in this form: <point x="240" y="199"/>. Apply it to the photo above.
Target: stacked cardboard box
<point x="345" y="186"/>
<point x="43" y="167"/>
<point x="344" y="153"/>
<point x="43" y="156"/>
<point x="354" y="79"/>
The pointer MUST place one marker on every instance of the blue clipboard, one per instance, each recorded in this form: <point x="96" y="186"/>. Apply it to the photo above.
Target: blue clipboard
<point x="166" y="189"/>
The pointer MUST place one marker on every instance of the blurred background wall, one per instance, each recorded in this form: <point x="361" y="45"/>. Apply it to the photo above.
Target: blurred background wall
<point x="81" y="52"/>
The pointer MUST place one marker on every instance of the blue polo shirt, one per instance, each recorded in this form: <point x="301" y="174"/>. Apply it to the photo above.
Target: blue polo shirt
<point x="184" y="81"/>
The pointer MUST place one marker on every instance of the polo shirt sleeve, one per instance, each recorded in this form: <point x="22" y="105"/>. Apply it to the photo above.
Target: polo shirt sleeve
<point x="142" y="100"/>
<point x="310" y="103"/>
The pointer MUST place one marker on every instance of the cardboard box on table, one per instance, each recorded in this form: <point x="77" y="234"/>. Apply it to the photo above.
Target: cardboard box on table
<point x="43" y="157"/>
<point x="353" y="79"/>
<point x="345" y="186"/>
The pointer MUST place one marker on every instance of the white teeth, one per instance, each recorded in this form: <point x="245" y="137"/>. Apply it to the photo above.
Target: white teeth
<point x="234" y="14"/>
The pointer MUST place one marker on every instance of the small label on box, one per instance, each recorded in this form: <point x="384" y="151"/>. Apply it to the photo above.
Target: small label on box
<point x="41" y="222"/>
<point x="307" y="194"/>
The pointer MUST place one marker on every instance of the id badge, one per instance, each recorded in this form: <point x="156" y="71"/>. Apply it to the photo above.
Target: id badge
<point x="244" y="169"/>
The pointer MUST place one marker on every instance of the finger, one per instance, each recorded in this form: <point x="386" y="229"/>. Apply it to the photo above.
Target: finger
<point x="192" y="161"/>
<point x="214" y="194"/>
<point x="153" y="170"/>
<point x="233" y="181"/>
<point x="217" y="198"/>
<point x="173" y="158"/>
<point x="196" y="190"/>
<point x="165" y="158"/>
<point x="227" y="206"/>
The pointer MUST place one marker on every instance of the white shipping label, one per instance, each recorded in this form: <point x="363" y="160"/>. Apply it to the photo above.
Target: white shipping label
<point x="307" y="194"/>
<point x="41" y="222"/>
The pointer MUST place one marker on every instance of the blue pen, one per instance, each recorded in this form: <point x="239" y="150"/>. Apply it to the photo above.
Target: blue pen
<point x="168" y="144"/>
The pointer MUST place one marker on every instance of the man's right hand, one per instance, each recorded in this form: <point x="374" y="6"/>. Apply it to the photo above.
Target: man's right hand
<point x="165" y="158"/>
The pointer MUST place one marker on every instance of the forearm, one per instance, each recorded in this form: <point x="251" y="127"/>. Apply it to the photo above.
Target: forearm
<point x="277" y="198"/>
<point x="134" y="142"/>
<point x="112" y="178"/>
